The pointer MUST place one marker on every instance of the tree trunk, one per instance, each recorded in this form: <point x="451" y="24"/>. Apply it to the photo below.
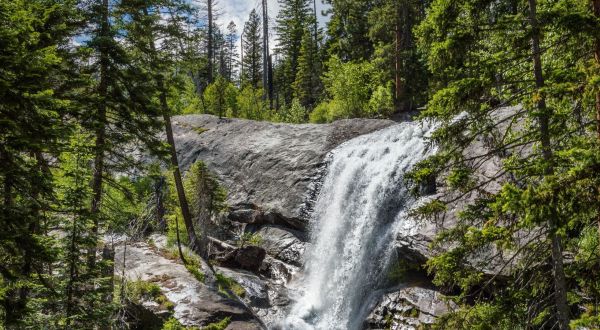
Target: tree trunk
<point x="209" y="5"/>
<point x="596" y="8"/>
<point x="560" y="287"/>
<point x="399" y="94"/>
<point x="265" y="51"/>
<point x="185" y="209"/>
<point x="183" y="204"/>
<point x="100" y="133"/>
<point x="181" y="256"/>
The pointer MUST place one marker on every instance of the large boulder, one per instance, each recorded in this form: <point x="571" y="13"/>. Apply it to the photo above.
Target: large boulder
<point x="194" y="303"/>
<point x="269" y="170"/>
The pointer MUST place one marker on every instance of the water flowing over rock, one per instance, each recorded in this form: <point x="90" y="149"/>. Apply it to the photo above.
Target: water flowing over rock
<point x="331" y="271"/>
<point x="361" y="205"/>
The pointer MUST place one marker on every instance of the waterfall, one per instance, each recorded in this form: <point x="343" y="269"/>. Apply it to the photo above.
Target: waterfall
<point x="361" y="205"/>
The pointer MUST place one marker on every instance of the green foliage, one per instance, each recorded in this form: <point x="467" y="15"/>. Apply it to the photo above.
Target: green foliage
<point x="354" y="91"/>
<point x="221" y="325"/>
<point x="205" y="195"/>
<point x="173" y="324"/>
<point x="251" y="104"/>
<point x="480" y="58"/>
<point x="294" y="20"/>
<point x="253" y="239"/>
<point x="295" y="113"/>
<point x="139" y="291"/>
<point x="220" y="98"/>
<point x="251" y="74"/>
<point x="228" y="286"/>
<point x="307" y="85"/>
<point x="348" y="29"/>
<point x="185" y="100"/>
<point x="194" y="270"/>
<point x="320" y="114"/>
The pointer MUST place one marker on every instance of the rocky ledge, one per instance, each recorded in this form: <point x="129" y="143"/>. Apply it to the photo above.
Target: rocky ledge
<point x="269" y="169"/>
<point x="190" y="300"/>
<point x="272" y="174"/>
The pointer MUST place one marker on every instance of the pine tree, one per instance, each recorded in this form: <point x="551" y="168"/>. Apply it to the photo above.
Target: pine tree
<point x="120" y="97"/>
<point x="395" y="51"/>
<point x="307" y="86"/>
<point x="348" y="29"/>
<point x="294" y="17"/>
<point x="145" y="29"/>
<point x="252" y="52"/>
<point x="33" y="103"/>
<point x="511" y="83"/>
<point x="231" y="57"/>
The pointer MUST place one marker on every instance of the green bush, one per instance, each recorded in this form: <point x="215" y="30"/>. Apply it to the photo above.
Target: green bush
<point x="137" y="291"/>
<point x="221" y="325"/>
<point x="295" y="113"/>
<point x="252" y="239"/>
<point x="354" y="90"/>
<point x="173" y="324"/>
<point x="220" y="98"/>
<point x="320" y="114"/>
<point x="251" y="104"/>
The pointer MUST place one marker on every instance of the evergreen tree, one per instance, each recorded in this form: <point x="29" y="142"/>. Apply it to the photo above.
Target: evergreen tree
<point x="34" y="87"/>
<point x="395" y="51"/>
<point x="144" y="31"/>
<point x="231" y="57"/>
<point x="485" y="57"/>
<point x="294" y="17"/>
<point x="348" y="29"/>
<point x="307" y="86"/>
<point x="252" y="52"/>
<point x="120" y="97"/>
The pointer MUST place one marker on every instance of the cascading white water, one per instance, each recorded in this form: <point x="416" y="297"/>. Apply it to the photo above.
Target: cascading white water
<point x="359" y="209"/>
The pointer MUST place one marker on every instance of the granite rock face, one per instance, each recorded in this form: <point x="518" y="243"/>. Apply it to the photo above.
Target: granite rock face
<point x="195" y="303"/>
<point x="408" y="309"/>
<point x="272" y="174"/>
<point x="268" y="169"/>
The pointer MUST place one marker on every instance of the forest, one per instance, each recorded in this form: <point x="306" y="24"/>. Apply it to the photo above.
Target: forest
<point x="91" y="92"/>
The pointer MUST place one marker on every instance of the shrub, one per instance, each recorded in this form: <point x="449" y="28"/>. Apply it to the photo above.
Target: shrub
<point x="251" y="104"/>
<point x="220" y="98"/>
<point x="221" y="325"/>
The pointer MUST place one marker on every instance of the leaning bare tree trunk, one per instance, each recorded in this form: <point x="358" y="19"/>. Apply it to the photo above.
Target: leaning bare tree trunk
<point x="560" y="287"/>
<point x="185" y="209"/>
<point x="100" y="133"/>
<point x="183" y="204"/>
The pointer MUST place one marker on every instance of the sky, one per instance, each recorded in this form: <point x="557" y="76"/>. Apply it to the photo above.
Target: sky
<point x="238" y="11"/>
